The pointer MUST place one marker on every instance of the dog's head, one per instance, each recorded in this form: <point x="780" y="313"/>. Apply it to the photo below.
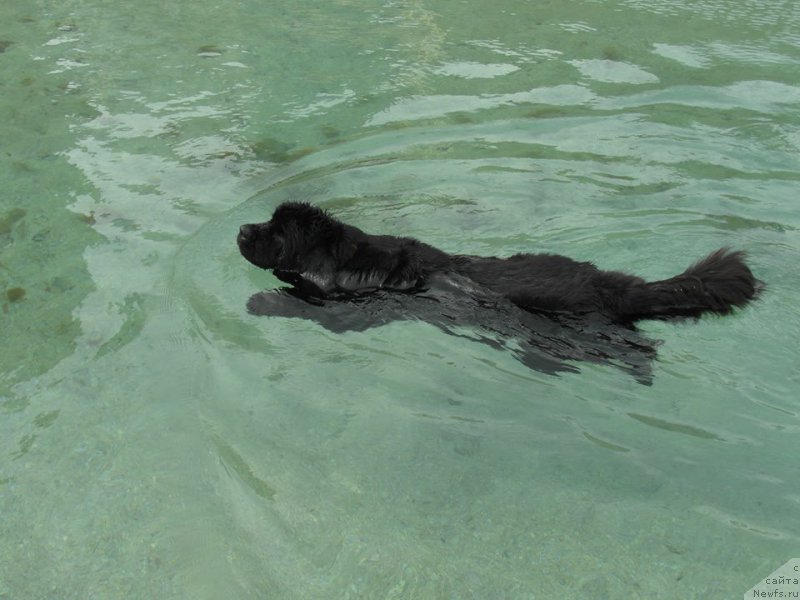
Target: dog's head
<point x="298" y="238"/>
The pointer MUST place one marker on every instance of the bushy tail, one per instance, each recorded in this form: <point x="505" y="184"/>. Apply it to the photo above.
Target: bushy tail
<point x="718" y="283"/>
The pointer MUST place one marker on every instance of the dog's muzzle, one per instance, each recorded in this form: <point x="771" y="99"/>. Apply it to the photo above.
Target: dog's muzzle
<point x="246" y="233"/>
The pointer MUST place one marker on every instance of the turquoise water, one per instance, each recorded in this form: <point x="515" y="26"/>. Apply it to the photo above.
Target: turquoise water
<point x="156" y="441"/>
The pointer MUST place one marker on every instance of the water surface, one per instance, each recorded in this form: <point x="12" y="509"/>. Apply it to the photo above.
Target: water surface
<point x="157" y="441"/>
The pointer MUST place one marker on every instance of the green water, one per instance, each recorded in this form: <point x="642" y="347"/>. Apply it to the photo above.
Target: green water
<point x="156" y="441"/>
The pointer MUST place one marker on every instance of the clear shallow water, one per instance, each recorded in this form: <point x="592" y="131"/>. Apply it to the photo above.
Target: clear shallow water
<point x="157" y="441"/>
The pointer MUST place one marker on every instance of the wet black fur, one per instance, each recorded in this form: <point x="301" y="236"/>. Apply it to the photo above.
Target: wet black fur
<point x="557" y="309"/>
<point x="321" y="256"/>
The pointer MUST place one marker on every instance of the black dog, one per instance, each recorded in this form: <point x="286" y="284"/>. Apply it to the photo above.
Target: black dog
<point x="324" y="259"/>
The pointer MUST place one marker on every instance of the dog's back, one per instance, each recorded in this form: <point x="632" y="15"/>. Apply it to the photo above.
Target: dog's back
<point x="552" y="283"/>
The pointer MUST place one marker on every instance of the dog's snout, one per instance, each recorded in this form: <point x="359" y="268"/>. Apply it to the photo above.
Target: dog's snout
<point x="246" y="231"/>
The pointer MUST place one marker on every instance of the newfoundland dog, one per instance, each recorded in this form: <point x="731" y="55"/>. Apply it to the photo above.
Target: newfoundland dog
<point x="555" y="308"/>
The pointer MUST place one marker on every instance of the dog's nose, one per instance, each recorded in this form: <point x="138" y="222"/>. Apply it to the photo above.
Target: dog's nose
<point x="246" y="231"/>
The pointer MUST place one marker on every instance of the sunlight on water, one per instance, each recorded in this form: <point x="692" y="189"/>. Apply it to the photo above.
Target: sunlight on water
<point x="158" y="441"/>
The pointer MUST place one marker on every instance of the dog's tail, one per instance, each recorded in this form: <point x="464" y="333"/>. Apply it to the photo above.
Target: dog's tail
<point x="718" y="284"/>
